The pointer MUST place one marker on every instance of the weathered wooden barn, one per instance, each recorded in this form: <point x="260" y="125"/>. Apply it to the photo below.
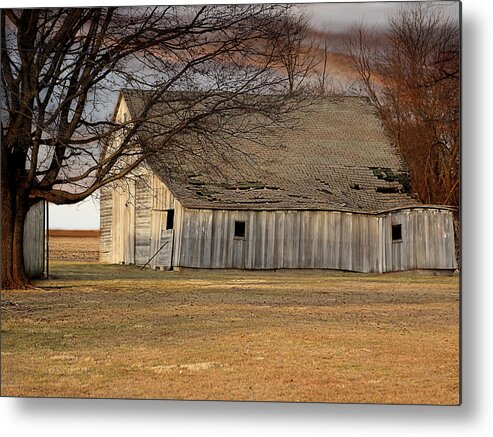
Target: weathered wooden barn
<point x="330" y="194"/>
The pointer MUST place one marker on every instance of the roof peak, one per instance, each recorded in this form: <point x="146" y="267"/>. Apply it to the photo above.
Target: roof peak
<point x="144" y="92"/>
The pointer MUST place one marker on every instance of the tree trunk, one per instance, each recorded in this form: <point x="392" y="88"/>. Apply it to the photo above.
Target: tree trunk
<point x="14" y="211"/>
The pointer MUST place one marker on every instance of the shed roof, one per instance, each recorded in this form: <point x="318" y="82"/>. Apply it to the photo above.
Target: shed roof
<point x="336" y="156"/>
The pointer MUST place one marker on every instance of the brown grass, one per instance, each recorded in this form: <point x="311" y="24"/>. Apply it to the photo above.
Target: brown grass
<point x="116" y="331"/>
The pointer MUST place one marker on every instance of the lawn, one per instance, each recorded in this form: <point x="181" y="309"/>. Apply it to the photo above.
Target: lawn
<point x="103" y="331"/>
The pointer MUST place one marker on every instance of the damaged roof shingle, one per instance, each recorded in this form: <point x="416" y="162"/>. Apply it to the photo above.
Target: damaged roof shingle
<point x="338" y="157"/>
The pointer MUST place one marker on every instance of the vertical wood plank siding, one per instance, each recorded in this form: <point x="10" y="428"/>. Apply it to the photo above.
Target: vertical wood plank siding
<point x="133" y="216"/>
<point x="132" y="225"/>
<point x="163" y="201"/>
<point x="162" y="198"/>
<point x="34" y="240"/>
<point x="123" y="224"/>
<point x="427" y="240"/>
<point x="143" y="204"/>
<point x="129" y="225"/>
<point x="105" y="224"/>
<point x="317" y="239"/>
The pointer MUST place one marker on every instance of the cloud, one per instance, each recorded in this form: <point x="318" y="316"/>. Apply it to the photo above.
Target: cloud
<point x="345" y="15"/>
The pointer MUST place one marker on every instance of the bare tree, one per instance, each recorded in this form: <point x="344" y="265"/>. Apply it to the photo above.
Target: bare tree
<point x="412" y="77"/>
<point x="296" y="49"/>
<point x="61" y="67"/>
<point x="323" y="85"/>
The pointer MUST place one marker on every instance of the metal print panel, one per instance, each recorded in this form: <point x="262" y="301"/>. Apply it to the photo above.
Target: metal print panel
<point x="265" y="202"/>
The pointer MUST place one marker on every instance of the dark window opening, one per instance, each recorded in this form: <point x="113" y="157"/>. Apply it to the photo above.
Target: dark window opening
<point x="240" y="230"/>
<point x="170" y="219"/>
<point x="396" y="232"/>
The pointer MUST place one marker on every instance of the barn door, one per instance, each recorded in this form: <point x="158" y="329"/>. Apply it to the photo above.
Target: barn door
<point x="163" y="259"/>
<point x="162" y="223"/>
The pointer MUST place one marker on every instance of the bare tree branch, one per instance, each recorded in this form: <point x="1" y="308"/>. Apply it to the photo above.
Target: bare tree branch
<point x="413" y="81"/>
<point x="62" y="69"/>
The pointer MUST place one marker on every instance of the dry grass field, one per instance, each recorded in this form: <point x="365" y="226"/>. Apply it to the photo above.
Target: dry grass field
<point x="116" y="331"/>
<point x="73" y="245"/>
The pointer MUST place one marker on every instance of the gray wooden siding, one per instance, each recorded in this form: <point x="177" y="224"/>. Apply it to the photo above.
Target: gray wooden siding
<point x="143" y="204"/>
<point x="133" y="229"/>
<point x="123" y="224"/>
<point x="105" y="223"/>
<point x="162" y="198"/>
<point x="34" y="240"/>
<point x="152" y="202"/>
<point x="317" y="239"/>
<point x="133" y="222"/>
<point x="279" y="239"/>
<point x="427" y="240"/>
<point x="162" y="201"/>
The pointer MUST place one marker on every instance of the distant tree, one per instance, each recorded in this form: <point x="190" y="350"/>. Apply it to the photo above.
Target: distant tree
<point x="296" y="50"/>
<point x="61" y="67"/>
<point x="412" y="77"/>
<point x="324" y="85"/>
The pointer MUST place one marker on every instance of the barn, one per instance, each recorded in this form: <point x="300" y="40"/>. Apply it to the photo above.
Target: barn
<point x="330" y="193"/>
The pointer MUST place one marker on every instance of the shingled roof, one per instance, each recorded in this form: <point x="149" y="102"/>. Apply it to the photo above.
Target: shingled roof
<point x="336" y="157"/>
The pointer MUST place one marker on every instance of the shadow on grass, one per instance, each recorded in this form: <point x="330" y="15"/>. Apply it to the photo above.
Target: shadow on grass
<point x="70" y="274"/>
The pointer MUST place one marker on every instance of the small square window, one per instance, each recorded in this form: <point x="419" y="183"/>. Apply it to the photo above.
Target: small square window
<point x="240" y="230"/>
<point x="396" y="232"/>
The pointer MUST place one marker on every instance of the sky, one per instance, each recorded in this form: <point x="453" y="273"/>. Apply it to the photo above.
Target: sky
<point x="343" y="15"/>
<point x="83" y="215"/>
<point x="338" y="16"/>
